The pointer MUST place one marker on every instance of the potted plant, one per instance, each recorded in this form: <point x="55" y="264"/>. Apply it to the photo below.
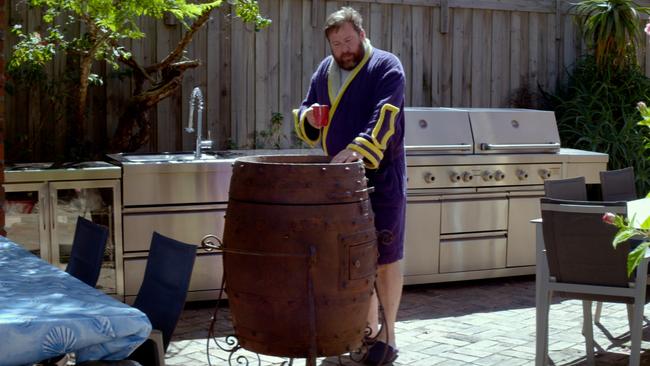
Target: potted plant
<point x="630" y="228"/>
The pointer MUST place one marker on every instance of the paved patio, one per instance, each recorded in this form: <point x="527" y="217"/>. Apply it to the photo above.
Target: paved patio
<point x="486" y="322"/>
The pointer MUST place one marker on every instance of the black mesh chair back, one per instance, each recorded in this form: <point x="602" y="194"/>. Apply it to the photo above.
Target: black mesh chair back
<point x="618" y="185"/>
<point x="579" y="244"/>
<point x="87" y="251"/>
<point x="566" y="189"/>
<point x="165" y="284"/>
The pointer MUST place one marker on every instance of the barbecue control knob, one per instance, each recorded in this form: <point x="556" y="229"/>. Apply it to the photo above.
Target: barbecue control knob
<point x="544" y="173"/>
<point x="487" y="175"/>
<point x="429" y="177"/>
<point x="467" y="176"/>
<point x="455" y="177"/>
<point x="499" y="175"/>
<point x="521" y="174"/>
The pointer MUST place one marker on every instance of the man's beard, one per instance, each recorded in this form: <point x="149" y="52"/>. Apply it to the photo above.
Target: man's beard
<point x="350" y="60"/>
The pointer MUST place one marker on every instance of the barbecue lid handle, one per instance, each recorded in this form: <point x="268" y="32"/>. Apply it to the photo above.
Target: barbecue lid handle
<point x="549" y="146"/>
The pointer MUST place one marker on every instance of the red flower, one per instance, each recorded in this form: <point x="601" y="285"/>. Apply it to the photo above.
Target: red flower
<point x="609" y="218"/>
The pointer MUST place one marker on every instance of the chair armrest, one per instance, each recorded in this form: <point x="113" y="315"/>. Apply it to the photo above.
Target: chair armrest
<point x="157" y="338"/>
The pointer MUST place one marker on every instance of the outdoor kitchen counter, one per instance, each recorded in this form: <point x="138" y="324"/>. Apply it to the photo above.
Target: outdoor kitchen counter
<point x="564" y="155"/>
<point x="37" y="172"/>
<point x="183" y="198"/>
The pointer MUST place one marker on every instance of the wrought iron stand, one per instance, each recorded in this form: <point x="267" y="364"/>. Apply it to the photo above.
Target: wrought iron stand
<point x="231" y="345"/>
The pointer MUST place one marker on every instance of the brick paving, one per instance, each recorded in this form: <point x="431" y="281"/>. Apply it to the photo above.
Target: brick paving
<point x="481" y="323"/>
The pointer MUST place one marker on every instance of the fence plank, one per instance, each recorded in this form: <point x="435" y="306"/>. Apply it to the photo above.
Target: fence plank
<point x="500" y="67"/>
<point x="243" y="85"/>
<point x="552" y="57"/>
<point x="421" y="56"/>
<point x="461" y="57"/>
<point x="213" y="74"/>
<point x="381" y="25"/>
<point x="481" y="58"/>
<point x="401" y="45"/>
<point x="289" y="84"/>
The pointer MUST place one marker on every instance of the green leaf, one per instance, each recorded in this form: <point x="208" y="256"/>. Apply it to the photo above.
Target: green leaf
<point x="623" y="235"/>
<point x="635" y="257"/>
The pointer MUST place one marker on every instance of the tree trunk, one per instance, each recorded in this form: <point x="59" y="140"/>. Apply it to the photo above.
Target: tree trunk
<point x="134" y="125"/>
<point x="84" y="72"/>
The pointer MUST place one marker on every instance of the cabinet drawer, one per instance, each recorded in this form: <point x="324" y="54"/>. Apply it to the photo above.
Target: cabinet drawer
<point x="186" y="226"/>
<point x="460" y="216"/>
<point x="472" y="254"/>
<point x="207" y="273"/>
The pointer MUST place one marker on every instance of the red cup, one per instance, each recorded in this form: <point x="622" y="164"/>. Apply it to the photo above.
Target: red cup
<point x="321" y="115"/>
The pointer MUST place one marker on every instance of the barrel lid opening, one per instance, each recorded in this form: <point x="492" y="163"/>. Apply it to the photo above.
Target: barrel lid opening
<point x="291" y="159"/>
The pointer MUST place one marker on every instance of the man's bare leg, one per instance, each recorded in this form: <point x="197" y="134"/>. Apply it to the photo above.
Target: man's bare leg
<point x="389" y="285"/>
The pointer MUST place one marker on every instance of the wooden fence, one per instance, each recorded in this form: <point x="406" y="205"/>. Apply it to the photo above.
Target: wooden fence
<point x="478" y="53"/>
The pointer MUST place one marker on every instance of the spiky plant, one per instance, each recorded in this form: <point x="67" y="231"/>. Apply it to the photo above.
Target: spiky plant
<point x="611" y="29"/>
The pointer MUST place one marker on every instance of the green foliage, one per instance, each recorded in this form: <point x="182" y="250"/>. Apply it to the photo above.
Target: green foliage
<point x="645" y="122"/>
<point x="596" y="111"/>
<point x="249" y="12"/>
<point x="611" y="29"/>
<point x="273" y="136"/>
<point x="107" y="22"/>
<point x="627" y="231"/>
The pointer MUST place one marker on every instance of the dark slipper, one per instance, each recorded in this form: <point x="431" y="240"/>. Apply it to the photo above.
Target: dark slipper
<point x="380" y="353"/>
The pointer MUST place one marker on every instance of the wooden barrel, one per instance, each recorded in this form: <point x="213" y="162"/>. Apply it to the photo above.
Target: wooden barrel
<point x="300" y="255"/>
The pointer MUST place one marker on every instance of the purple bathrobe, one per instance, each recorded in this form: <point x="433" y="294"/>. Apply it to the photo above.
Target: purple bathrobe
<point x="367" y="116"/>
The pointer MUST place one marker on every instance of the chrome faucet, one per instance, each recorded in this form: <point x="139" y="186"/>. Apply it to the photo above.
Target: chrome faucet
<point x="196" y="101"/>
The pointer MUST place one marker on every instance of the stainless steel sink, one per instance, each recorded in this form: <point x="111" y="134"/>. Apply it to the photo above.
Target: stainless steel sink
<point x="160" y="157"/>
<point x="176" y="178"/>
<point x="175" y="157"/>
<point x="151" y="158"/>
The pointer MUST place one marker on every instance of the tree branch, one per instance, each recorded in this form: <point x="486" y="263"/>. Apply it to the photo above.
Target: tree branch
<point x="132" y="63"/>
<point x="187" y="38"/>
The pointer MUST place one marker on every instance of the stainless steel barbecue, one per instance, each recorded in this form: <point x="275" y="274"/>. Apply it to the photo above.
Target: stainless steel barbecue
<point x="475" y="177"/>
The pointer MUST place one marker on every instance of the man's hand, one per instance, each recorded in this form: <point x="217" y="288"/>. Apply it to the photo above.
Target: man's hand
<point x="309" y="114"/>
<point x="346" y="156"/>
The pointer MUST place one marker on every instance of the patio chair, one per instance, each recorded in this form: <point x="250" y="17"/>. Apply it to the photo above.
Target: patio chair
<point x="566" y="189"/>
<point x="582" y="264"/>
<point x="162" y="294"/>
<point x="616" y="185"/>
<point x="87" y="251"/>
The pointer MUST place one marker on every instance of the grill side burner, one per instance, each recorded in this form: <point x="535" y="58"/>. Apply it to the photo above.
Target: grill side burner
<point x="475" y="177"/>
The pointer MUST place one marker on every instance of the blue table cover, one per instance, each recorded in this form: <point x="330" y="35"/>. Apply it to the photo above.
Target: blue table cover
<point x="45" y="312"/>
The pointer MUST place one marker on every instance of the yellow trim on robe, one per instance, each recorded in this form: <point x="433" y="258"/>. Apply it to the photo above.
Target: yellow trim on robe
<point x="370" y="146"/>
<point x="369" y="160"/>
<point x="336" y="99"/>
<point x="391" y="125"/>
<point x="299" y="125"/>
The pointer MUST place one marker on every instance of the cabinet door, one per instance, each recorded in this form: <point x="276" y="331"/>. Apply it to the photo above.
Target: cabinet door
<point x="524" y="206"/>
<point x="188" y="224"/>
<point x="26" y="217"/>
<point x="97" y="201"/>
<point x="421" y="246"/>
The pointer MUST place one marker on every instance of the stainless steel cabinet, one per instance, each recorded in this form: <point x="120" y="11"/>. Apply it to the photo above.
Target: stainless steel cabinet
<point x="187" y="223"/>
<point x="41" y="209"/>
<point x="422" y="239"/>
<point x="42" y="217"/>
<point x="524" y="206"/>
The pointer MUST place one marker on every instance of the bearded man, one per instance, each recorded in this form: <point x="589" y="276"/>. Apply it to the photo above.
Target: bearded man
<point x="364" y="89"/>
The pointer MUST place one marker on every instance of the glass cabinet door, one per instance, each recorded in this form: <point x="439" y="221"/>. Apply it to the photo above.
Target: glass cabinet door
<point x="26" y="217"/>
<point x="96" y="201"/>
